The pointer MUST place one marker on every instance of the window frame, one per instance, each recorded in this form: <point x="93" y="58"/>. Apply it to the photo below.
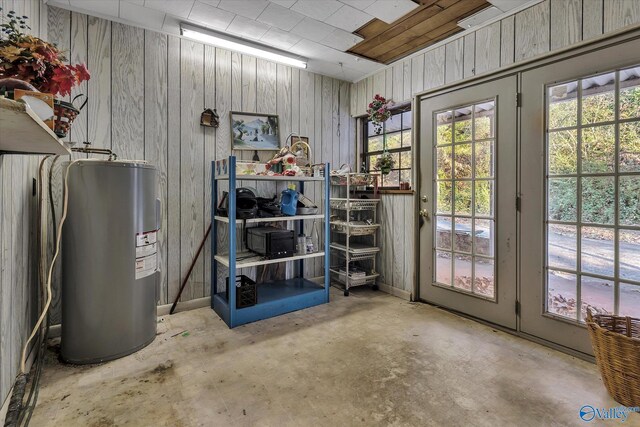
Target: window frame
<point x="365" y="154"/>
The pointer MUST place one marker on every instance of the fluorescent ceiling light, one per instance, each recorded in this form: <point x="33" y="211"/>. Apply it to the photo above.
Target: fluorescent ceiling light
<point x="227" y="41"/>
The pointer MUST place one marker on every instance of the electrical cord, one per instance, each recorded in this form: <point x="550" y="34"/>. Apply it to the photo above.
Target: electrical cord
<point x="45" y="310"/>
<point x="51" y="204"/>
<point x="18" y="408"/>
<point x="34" y="390"/>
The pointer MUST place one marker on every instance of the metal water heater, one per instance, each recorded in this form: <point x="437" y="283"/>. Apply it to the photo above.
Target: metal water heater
<point x="110" y="273"/>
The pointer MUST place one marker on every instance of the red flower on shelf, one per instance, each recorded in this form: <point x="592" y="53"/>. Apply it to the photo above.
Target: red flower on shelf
<point x="36" y="61"/>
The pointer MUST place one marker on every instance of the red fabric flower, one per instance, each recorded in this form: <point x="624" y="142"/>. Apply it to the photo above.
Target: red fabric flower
<point x="65" y="79"/>
<point x="82" y="74"/>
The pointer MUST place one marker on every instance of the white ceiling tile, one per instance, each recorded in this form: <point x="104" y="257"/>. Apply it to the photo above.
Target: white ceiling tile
<point x="348" y="18"/>
<point x="284" y="3"/>
<point x="141" y="15"/>
<point x="213" y="3"/>
<point x="316" y="9"/>
<point x="341" y="40"/>
<point x="359" y="4"/>
<point x="249" y="9"/>
<point x="280" y="17"/>
<point x="390" y="10"/>
<point x="333" y="70"/>
<point x="211" y="16"/>
<point x="363" y="65"/>
<point x="177" y="8"/>
<point x="245" y="27"/>
<point x="98" y="6"/>
<point x="138" y="2"/>
<point x="312" y="49"/>
<point x="280" y="39"/>
<point x="312" y="29"/>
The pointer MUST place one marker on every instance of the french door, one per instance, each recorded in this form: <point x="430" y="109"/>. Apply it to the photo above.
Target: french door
<point x="580" y="220"/>
<point x="467" y="191"/>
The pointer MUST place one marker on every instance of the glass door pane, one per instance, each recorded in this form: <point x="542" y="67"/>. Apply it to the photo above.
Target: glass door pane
<point x="464" y="182"/>
<point x="593" y="195"/>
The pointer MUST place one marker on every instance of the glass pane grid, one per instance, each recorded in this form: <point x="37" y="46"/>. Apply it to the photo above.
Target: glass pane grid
<point x="593" y="202"/>
<point x="396" y="133"/>
<point x="464" y="160"/>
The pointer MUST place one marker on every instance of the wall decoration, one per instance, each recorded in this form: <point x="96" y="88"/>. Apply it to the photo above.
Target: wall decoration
<point x="251" y="131"/>
<point x="210" y="118"/>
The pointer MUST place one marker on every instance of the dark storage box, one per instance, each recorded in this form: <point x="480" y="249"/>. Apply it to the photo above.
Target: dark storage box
<point x="246" y="293"/>
<point x="271" y="242"/>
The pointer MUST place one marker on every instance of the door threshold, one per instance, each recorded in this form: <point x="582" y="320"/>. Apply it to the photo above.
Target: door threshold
<point x="524" y="335"/>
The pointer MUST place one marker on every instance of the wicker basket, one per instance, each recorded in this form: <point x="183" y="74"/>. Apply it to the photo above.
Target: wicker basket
<point x="616" y="345"/>
<point x="65" y="113"/>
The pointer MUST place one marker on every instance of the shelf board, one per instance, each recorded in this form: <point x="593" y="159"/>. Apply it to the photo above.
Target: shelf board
<point x="24" y="133"/>
<point x="370" y="276"/>
<point x="274" y="298"/>
<point x="357" y="250"/>
<point x="272" y="178"/>
<point x="355" y="281"/>
<point x="274" y="219"/>
<point x="344" y="199"/>
<point x="256" y="260"/>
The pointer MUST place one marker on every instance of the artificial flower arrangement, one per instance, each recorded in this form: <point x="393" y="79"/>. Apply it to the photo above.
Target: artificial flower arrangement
<point x="379" y="111"/>
<point x="284" y="163"/>
<point x="36" y="61"/>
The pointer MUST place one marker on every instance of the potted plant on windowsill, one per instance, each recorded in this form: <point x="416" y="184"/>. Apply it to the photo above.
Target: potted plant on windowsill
<point x="40" y="64"/>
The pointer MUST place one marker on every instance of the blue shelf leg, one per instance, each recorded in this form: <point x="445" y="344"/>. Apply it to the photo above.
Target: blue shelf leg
<point x="300" y="230"/>
<point x="232" y="241"/>
<point x="327" y="256"/>
<point x="214" y="232"/>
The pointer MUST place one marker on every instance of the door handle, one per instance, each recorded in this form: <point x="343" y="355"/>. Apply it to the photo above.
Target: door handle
<point x="424" y="214"/>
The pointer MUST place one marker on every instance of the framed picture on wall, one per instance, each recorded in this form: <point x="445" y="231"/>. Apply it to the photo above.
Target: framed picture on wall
<point x="251" y="131"/>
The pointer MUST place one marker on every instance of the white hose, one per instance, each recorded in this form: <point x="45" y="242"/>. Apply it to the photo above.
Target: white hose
<point x="53" y="262"/>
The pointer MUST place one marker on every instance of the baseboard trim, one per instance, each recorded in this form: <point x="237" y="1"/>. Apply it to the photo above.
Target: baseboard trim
<point x="164" y="309"/>
<point x="400" y="293"/>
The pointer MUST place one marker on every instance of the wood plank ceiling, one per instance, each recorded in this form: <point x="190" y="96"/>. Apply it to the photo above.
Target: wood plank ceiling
<point x="432" y="21"/>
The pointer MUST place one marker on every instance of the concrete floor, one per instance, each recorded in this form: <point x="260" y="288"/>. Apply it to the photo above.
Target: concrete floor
<point x="369" y="359"/>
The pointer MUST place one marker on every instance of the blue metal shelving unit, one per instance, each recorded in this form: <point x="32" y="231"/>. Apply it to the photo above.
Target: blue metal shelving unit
<point x="274" y="297"/>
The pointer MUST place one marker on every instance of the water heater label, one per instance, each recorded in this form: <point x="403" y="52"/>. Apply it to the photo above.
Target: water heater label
<point x="146" y="266"/>
<point x="146" y="254"/>
<point x="146" y="238"/>
<point x="146" y="250"/>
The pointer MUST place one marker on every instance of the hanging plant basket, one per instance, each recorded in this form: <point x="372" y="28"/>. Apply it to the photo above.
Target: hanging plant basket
<point x="385" y="163"/>
<point x="379" y="112"/>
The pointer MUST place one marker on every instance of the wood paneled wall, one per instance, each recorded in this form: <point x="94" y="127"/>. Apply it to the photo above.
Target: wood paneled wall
<point x="18" y="251"/>
<point x="145" y="98"/>
<point x="542" y="28"/>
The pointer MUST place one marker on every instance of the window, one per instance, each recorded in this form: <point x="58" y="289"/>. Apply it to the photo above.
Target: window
<point x="396" y="133"/>
<point x="465" y="185"/>
<point x="593" y="196"/>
